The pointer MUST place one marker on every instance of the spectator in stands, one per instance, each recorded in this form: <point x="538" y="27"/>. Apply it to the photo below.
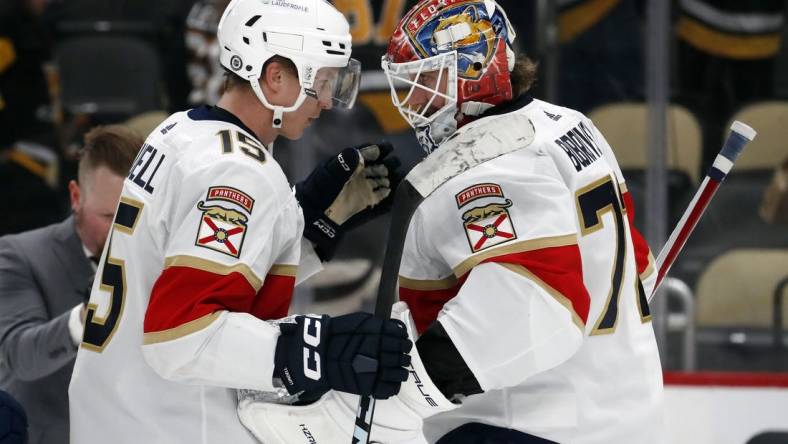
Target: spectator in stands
<point x="774" y="206"/>
<point x="27" y="164"/>
<point x="24" y="91"/>
<point x="29" y="172"/>
<point x="591" y="74"/>
<point x="44" y="275"/>
<point x="726" y="56"/>
<point x="205" y="73"/>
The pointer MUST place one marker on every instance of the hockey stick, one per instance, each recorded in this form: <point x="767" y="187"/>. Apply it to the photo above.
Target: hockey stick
<point x="740" y="135"/>
<point x="474" y="147"/>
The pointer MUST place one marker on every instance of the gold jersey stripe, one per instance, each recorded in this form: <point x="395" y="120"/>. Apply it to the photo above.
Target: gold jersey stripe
<point x="560" y="298"/>
<point x="181" y="330"/>
<point x="199" y="263"/>
<point x="427" y="285"/>
<point x="283" y="270"/>
<point x="732" y="46"/>
<point x="578" y="19"/>
<point x="517" y="247"/>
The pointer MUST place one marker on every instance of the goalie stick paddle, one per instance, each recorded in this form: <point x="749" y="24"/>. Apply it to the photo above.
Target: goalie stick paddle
<point x="740" y="135"/>
<point x="475" y="145"/>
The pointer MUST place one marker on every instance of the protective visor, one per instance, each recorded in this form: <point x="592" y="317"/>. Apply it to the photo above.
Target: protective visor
<point x="337" y="86"/>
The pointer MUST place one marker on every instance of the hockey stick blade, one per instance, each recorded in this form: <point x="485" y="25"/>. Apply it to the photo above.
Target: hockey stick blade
<point x="740" y="135"/>
<point x="473" y="146"/>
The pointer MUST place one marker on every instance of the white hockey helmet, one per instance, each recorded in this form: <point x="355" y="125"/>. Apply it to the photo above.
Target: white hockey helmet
<point x="310" y="33"/>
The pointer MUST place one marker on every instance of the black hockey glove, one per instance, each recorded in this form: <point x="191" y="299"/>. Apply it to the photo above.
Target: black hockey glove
<point x="345" y="191"/>
<point x="356" y="353"/>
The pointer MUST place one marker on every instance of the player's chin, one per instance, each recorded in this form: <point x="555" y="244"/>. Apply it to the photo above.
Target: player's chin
<point x="294" y="133"/>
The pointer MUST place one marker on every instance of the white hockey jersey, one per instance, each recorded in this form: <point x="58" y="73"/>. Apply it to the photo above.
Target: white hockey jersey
<point x="205" y="247"/>
<point x="532" y="265"/>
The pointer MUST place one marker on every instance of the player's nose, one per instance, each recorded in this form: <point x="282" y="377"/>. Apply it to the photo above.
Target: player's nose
<point x="325" y="104"/>
<point x="417" y="99"/>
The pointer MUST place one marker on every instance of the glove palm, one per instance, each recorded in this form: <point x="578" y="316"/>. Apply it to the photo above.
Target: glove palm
<point x="346" y="191"/>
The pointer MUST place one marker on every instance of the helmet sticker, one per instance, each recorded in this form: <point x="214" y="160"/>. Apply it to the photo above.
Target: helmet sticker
<point x="474" y="34"/>
<point x="236" y="63"/>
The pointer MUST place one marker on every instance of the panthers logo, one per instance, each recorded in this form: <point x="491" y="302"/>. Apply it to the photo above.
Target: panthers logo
<point x="221" y="213"/>
<point x="479" y="213"/>
<point x="223" y="229"/>
<point x="488" y="225"/>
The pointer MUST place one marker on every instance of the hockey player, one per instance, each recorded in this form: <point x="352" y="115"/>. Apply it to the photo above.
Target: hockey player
<point x="523" y="279"/>
<point x="194" y="285"/>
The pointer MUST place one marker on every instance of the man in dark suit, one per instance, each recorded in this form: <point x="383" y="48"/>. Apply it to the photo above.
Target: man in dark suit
<point x="44" y="275"/>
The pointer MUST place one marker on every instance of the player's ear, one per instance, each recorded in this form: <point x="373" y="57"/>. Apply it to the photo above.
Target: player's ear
<point x="274" y="75"/>
<point x="74" y="194"/>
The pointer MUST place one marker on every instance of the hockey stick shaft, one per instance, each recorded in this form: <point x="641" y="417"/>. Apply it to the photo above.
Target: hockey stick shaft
<point x="740" y="135"/>
<point x="406" y="200"/>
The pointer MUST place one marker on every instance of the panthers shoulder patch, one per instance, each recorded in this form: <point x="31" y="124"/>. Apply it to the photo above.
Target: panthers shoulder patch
<point x="489" y="224"/>
<point x="223" y="229"/>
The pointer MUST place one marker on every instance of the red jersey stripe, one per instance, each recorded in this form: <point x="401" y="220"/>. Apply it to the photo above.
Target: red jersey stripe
<point x="273" y="299"/>
<point x="642" y="250"/>
<point x="184" y="294"/>
<point x="425" y="303"/>
<point x="559" y="268"/>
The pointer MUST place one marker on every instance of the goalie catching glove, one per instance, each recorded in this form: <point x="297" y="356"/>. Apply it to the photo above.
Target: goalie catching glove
<point x="355" y="353"/>
<point x="345" y="191"/>
<point x="331" y="419"/>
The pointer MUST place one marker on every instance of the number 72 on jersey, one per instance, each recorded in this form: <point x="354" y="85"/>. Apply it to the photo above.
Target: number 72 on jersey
<point x="593" y="201"/>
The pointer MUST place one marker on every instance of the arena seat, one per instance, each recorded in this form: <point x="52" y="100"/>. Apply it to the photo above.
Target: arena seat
<point x="769" y="147"/>
<point x="625" y="126"/>
<point x="737" y="288"/>
<point x="109" y="75"/>
<point x="735" y="311"/>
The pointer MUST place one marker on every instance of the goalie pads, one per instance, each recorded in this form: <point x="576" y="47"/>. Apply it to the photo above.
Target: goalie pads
<point x="328" y="420"/>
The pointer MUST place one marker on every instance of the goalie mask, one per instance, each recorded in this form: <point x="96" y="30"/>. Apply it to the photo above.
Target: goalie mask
<point x="447" y="62"/>
<point x="310" y="33"/>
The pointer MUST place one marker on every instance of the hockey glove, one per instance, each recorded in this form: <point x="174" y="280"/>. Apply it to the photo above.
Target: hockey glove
<point x="355" y="353"/>
<point x="345" y="191"/>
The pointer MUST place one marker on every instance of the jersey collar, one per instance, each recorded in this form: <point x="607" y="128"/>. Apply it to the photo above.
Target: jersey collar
<point x="509" y="107"/>
<point x="207" y="112"/>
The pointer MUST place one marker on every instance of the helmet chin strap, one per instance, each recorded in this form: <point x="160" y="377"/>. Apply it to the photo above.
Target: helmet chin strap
<point x="278" y="117"/>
